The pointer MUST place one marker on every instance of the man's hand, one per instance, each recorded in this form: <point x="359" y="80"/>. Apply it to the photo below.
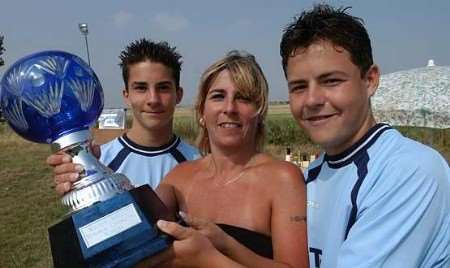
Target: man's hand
<point x="64" y="171"/>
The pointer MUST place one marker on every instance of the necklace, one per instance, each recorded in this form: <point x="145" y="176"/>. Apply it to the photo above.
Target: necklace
<point x="232" y="179"/>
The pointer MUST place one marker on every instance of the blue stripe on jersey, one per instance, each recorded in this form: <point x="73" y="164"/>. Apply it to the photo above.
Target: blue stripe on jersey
<point x="361" y="164"/>
<point x="357" y="154"/>
<point x="349" y="155"/>
<point x="130" y="146"/>
<point x="313" y="173"/>
<point x="144" y="164"/>
<point x="117" y="161"/>
<point x="177" y="155"/>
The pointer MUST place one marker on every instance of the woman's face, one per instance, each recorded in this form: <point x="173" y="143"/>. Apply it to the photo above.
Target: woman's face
<point x="230" y="118"/>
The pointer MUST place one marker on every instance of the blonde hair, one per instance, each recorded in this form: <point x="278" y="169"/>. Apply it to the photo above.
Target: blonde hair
<point x="249" y="78"/>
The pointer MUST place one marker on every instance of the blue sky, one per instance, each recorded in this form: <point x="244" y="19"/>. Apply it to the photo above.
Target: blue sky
<point x="405" y="34"/>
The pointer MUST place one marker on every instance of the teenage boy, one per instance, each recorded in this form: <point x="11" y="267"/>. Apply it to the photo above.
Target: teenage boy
<point x="149" y="149"/>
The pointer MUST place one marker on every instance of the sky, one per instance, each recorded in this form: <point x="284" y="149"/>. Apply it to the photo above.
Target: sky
<point x="405" y="34"/>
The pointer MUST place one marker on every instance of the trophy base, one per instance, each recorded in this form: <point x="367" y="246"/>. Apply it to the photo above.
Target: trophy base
<point x="118" y="232"/>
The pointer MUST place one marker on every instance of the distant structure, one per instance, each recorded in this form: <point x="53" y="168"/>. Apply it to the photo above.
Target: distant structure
<point x="417" y="97"/>
<point x="431" y="63"/>
<point x="112" y="118"/>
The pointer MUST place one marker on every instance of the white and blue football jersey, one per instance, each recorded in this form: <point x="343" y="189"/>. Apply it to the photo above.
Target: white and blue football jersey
<point x="145" y="165"/>
<point x="384" y="202"/>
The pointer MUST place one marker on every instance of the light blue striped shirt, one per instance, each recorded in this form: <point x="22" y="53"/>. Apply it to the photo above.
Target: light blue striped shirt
<point x="384" y="202"/>
<point x="145" y="165"/>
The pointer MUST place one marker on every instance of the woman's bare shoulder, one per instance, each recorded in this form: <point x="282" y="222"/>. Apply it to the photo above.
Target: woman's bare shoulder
<point x="282" y="170"/>
<point x="282" y="180"/>
<point x="184" y="170"/>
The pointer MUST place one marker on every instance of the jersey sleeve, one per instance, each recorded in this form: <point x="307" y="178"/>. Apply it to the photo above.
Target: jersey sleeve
<point x="398" y="216"/>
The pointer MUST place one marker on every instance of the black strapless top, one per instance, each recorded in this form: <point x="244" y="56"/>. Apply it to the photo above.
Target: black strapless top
<point x="259" y="243"/>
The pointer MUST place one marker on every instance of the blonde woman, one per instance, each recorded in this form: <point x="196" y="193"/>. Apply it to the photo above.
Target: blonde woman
<point x="257" y="200"/>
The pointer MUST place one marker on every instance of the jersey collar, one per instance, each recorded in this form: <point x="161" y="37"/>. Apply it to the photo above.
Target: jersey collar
<point x="127" y="142"/>
<point x="350" y="154"/>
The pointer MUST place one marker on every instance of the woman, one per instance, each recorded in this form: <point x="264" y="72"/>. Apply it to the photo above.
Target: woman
<point x="250" y="195"/>
<point x="257" y="201"/>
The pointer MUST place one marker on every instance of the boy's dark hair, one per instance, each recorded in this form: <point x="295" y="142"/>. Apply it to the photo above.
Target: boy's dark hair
<point x="325" y="23"/>
<point x="145" y="49"/>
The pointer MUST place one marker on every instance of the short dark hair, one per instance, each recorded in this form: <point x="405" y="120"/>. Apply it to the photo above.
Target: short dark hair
<point x="145" y="49"/>
<point x="325" y="23"/>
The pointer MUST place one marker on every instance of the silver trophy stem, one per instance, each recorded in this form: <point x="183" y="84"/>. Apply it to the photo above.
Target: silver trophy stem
<point x="97" y="182"/>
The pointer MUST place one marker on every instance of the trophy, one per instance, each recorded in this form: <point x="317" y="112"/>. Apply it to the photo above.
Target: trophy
<point x="54" y="97"/>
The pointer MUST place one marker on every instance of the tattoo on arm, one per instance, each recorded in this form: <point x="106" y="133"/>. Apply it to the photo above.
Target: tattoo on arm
<point x="298" y="218"/>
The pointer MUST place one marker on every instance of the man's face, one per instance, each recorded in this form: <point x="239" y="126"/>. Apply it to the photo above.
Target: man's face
<point x="328" y="97"/>
<point x="152" y="96"/>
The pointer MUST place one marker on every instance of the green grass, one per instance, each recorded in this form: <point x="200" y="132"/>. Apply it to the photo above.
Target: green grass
<point x="29" y="204"/>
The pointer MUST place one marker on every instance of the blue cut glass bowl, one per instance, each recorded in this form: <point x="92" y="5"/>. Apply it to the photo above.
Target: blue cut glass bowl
<point x="49" y="94"/>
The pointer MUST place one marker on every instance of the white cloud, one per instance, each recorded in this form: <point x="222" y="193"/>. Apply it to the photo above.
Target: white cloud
<point x="170" y="22"/>
<point x="122" y="18"/>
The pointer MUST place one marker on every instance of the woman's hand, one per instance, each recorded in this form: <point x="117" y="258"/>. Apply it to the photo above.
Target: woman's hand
<point x="190" y="248"/>
<point x="214" y="233"/>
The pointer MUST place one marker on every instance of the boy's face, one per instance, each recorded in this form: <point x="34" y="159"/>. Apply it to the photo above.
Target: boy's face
<point x="152" y="95"/>
<point x="328" y="97"/>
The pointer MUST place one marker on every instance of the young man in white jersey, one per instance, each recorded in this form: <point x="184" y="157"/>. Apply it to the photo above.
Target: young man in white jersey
<point x="149" y="149"/>
<point x="375" y="198"/>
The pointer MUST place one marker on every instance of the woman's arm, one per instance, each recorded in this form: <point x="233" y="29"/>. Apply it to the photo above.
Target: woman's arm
<point x="289" y="233"/>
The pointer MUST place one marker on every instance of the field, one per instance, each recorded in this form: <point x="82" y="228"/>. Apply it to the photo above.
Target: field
<point x="29" y="204"/>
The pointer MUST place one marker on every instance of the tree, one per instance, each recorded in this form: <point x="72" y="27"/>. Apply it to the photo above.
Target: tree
<point x="1" y="50"/>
